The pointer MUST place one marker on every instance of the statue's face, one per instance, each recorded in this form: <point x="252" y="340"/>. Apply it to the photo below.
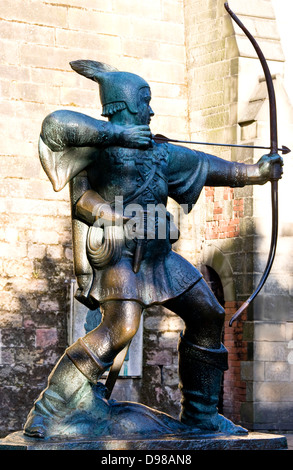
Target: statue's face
<point x="144" y="111"/>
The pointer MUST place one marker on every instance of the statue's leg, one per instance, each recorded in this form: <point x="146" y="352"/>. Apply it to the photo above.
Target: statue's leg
<point x="120" y="322"/>
<point x="202" y="359"/>
<point x="83" y="363"/>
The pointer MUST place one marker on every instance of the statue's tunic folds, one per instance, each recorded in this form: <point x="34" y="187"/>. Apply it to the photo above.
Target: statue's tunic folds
<point x="140" y="179"/>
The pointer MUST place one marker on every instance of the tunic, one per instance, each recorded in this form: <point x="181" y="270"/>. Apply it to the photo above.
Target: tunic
<point x="143" y="178"/>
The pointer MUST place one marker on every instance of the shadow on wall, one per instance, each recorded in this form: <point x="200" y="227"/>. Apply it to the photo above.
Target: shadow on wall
<point x="33" y="337"/>
<point x="31" y="348"/>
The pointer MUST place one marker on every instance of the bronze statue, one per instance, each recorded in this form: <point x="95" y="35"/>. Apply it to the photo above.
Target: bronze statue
<point x="116" y="170"/>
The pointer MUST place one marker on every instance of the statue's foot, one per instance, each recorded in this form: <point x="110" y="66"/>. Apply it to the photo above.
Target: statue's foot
<point x="221" y="424"/>
<point x="35" y="425"/>
<point x="46" y="412"/>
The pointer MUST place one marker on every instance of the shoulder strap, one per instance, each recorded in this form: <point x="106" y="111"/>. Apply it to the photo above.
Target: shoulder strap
<point x="137" y="193"/>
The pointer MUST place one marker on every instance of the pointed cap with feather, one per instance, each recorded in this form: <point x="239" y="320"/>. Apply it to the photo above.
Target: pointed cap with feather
<point x="117" y="89"/>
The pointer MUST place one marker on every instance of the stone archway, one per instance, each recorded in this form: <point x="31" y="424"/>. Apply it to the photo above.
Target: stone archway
<point x="213" y="280"/>
<point x="214" y="258"/>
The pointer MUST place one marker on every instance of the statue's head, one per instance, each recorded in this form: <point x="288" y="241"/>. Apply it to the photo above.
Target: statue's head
<point x="118" y="90"/>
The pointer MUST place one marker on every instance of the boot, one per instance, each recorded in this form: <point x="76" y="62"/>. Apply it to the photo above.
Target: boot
<point x="67" y="384"/>
<point x="200" y="375"/>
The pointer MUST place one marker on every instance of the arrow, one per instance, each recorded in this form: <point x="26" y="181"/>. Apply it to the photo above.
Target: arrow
<point x="159" y="139"/>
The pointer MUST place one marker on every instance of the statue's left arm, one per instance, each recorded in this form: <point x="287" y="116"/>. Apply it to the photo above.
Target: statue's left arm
<point x="190" y="171"/>
<point x="234" y="174"/>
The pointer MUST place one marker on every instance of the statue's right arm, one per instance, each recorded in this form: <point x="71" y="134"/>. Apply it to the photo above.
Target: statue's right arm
<point x="62" y="129"/>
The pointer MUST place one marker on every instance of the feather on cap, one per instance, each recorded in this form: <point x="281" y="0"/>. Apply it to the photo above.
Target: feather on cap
<point x="91" y="69"/>
<point x="115" y="86"/>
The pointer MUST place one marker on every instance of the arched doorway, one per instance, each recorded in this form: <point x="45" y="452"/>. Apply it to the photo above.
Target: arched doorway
<point x="214" y="282"/>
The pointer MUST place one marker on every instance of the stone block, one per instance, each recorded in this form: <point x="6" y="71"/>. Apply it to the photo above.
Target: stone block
<point x="88" y="40"/>
<point x="168" y="340"/>
<point x="289" y="331"/>
<point x="11" y="251"/>
<point x="169" y="72"/>
<point x="269" y="307"/>
<point x="268" y="415"/>
<point x="147" y="49"/>
<point x="270" y="351"/>
<point x="231" y="48"/>
<point x="6" y="72"/>
<point x="45" y="237"/>
<point x="262" y="331"/>
<point x="27" y="32"/>
<point x="160" y="358"/>
<point x="46" y="57"/>
<point x="153" y="323"/>
<point x="230" y="89"/>
<point x="9" y="55"/>
<point x="46" y="337"/>
<point x="170" y="376"/>
<point x="254" y="8"/>
<point x="98" y="5"/>
<point x="98" y="21"/>
<point x="174" y="52"/>
<point x="29" y="286"/>
<point x="38" y="13"/>
<point x="34" y="92"/>
<point x="79" y="97"/>
<point x="161" y="32"/>
<point x="277" y="371"/>
<point x="273" y="392"/>
<point x="273" y="331"/>
<point x="69" y="254"/>
<point x="36" y="250"/>
<point x="248" y="331"/>
<point x="152" y="10"/>
<point x="272" y="49"/>
<point x="252" y="371"/>
<point x="20" y="167"/>
<point x="55" y="252"/>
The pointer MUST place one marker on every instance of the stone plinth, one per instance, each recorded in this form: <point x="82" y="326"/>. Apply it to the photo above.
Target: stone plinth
<point x="174" y="442"/>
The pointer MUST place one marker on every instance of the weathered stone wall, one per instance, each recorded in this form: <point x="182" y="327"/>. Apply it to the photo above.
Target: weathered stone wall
<point x="267" y="372"/>
<point x="228" y="103"/>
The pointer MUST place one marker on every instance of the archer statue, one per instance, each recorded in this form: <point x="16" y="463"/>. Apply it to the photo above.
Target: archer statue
<point x="123" y="267"/>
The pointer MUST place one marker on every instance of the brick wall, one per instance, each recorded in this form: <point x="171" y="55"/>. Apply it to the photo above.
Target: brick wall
<point x="223" y="213"/>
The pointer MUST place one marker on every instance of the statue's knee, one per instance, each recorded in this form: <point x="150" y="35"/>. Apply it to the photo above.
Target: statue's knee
<point x="121" y="322"/>
<point x="211" y="313"/>
<point x="220" y="311"/>
<point x="131" y="328"/>
<point x="127" y="331"/>
<point x="218" y="315"/>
